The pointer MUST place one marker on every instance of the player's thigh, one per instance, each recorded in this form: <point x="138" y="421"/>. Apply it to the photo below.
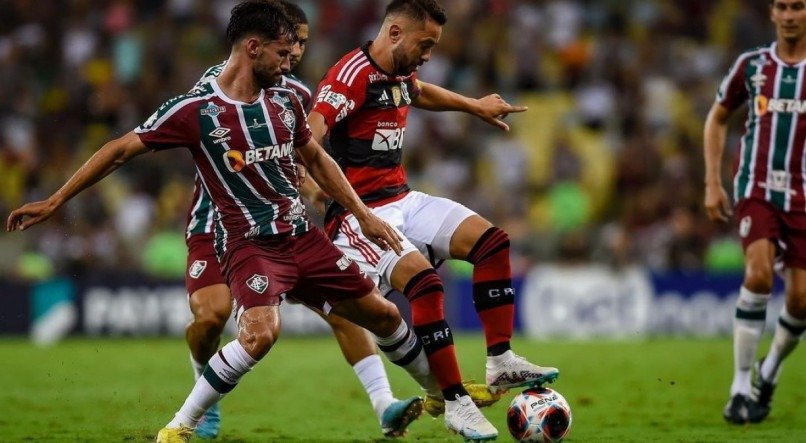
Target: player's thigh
<point x="760" y="232"/>
<point x="327" y="276"/>
<point x="371" y="259"/>
<point x="211" y="303"/>
<point x="373" y="312"/>
<point x="258" y="275"/>
<point x="202" y="264"/>
<point x="431" y="222"/>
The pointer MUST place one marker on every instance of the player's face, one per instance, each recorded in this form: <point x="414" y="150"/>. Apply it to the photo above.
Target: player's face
<point x="299" y="47"/>
<point x="789" y="17"/>
<point x="273" y="59"/>
<point x="415" y="45"/>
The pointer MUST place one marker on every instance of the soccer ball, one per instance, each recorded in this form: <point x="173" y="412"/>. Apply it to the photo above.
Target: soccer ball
<point x="539" y="414"/>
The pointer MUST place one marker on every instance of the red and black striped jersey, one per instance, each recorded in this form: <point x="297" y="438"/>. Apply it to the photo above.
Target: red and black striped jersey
<point x="365" y="110"/>
<point x="244" y="155"/>
<point x="770" y="163"/>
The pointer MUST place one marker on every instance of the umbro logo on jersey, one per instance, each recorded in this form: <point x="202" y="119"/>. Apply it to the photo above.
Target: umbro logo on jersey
<point x="197" y="268"/>
<point x="258" y="283"/>
<point x="758" y="80"/>
<point x="219" y="135"/>
<point x="219" y="132"/>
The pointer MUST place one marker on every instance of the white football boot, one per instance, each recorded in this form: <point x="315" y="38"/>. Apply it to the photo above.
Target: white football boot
<point x="510" y="370"/>
<point x="463" y="417"/>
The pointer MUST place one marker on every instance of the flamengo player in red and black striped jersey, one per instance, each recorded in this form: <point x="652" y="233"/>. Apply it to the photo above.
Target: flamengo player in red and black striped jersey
<point x="211" y="303"/>
<point x="241" y="132"/>
<point x="362" y="104"/>
<point x="769" y="189"/>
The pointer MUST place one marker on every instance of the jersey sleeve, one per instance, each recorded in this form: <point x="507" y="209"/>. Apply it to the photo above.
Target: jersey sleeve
<point x="336" y="100"/>
<point x="302" y="132"/>
<point x="171" y="126"/>
<point x="732" y="91"/>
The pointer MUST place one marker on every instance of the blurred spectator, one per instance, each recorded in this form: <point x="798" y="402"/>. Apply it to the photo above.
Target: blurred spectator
<point x="604" y="166"/>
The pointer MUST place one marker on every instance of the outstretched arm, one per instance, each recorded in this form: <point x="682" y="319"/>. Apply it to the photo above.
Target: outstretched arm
<point x="110" y="157"/>
<point x="327" y="174"/>
<point x="492" y="108"/>
<point x="717" y="203"/>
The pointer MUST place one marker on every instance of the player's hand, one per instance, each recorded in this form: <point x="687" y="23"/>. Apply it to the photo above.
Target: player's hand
<point x="36" y="212"/>
<point x="717" y="203"/>
<point x="380" y="233"/>
<point x="493" y="109"/>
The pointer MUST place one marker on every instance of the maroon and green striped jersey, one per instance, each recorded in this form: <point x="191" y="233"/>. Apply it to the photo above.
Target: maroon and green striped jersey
<point x="244" y="155"/>
<point x="201" y="214"/>
<point x="770" y="163"/>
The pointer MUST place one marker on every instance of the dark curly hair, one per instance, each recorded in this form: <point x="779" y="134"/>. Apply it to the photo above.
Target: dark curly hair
<point x="265" y="18"/>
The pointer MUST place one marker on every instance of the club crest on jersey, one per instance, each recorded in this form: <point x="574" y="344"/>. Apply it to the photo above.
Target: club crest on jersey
<point x="258" y="283"/>
<point x="197" y="268"/>
<point x="744" y="226"/>
<point x="212" y="110"/>
<point x="396" y="95"/>
<point x="289" y="119"/>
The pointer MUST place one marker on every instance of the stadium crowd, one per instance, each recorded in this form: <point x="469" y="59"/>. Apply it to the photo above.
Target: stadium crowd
<point x="606" y="165"/>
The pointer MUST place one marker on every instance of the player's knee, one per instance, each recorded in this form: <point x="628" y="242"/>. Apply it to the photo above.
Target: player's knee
<point x="387" y="318"/>
<point x="759" y="279"/>
<point x="257" y="339"/>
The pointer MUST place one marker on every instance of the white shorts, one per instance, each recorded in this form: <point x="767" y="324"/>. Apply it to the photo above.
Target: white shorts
<point x="426" y="223"/>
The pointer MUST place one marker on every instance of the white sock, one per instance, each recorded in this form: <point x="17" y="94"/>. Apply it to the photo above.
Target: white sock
<point x="198" y="368"/>
<point x="371" y="373"/>
<point x="748" y="325"/>
<point x="405" y="350"/>
<point x="223" y="371"/>
<point x="787" y="335"/>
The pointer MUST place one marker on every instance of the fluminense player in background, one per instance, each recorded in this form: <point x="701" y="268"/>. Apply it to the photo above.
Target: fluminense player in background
<point x="769" y="189"/>
<point x="362" y="103"/>
<point x="211" y="302"/>
<point x="243" y="133"/>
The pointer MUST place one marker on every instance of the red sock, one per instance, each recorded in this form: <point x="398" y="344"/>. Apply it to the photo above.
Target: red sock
<point x="493" y="295"/>
<point x="425" y="293"/>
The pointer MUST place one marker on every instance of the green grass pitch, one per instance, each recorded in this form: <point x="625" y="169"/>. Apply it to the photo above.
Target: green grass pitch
<point x="125" y="390"/>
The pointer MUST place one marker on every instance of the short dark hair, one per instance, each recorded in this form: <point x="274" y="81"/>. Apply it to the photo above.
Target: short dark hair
<point x="418" y="10"/>
<point x="294" y="12"/>
<point x="267" y="19"/>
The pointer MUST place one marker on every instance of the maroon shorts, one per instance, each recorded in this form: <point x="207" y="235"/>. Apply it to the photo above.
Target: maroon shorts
<point x="202" y="265"/>
<point x="307" y="267"/>
<point x="759" y="219"/>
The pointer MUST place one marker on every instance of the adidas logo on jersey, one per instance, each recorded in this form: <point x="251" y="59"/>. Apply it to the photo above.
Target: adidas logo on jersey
<point x="384" y="97"/>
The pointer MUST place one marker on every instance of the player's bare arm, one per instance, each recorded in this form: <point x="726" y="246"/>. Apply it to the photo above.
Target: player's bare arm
<point x="491" y="108"/>
<point x="717" y="203"/>
<point x="324" y="170"/>
<point x="110" y="157"/>
<point x="309" y="189"/>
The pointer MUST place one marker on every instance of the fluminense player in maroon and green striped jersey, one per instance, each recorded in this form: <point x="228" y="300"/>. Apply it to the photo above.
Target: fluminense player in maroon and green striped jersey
<point x="243" y="134"/>
<point x="769" y="189"/>
<point x="211" y="303"/>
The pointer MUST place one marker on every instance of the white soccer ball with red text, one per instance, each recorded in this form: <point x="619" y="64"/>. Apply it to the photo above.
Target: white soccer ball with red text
<point x="539" y="415"/>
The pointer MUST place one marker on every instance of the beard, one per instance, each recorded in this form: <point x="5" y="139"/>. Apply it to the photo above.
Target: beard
<point x="402" y="66"/>
<point x="265" y="78"/>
